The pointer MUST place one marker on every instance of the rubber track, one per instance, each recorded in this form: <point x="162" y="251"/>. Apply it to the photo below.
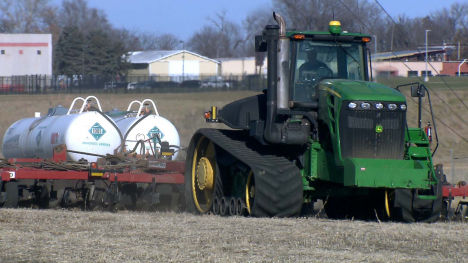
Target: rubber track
<point x="278" y="182"/>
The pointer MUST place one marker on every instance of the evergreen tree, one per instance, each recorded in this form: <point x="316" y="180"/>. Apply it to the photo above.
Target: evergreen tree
<point x="95" y="54"/>
<point x="69" y="52"/>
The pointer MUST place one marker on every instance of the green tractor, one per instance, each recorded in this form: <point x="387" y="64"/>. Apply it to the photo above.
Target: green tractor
<point x="321" y="130"/>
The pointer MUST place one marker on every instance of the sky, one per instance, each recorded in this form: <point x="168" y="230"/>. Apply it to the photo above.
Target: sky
<point x="184" y="17"/>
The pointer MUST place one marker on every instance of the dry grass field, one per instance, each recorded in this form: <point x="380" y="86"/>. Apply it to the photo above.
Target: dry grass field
<point x="185" y="111"/>
<point x="71" y="236"/>
<point x="64" y="235"/>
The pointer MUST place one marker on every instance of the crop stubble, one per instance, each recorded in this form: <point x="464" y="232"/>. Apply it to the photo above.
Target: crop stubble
<point x="185" y="111"/>
<point x="56" y="235"/>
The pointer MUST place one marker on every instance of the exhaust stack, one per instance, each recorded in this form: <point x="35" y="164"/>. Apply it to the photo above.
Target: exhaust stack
<point x="283" y="64"/>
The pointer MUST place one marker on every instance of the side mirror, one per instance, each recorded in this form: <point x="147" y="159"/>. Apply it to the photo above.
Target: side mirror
<point x="260" y="44"/>
<point x="417" y="92"/>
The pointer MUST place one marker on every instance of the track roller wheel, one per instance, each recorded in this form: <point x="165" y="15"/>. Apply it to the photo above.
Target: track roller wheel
<point x="201" y="175"/>
<point x="250" y="192"/>
<point x="216" y="206"/>
<point x="233" y="206"/>
<point x="241" y="209"/>
<point x="224" y="206"/>
<point x="12" y="197"/>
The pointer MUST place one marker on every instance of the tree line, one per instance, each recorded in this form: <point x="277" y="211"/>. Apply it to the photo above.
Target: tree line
<point x="85" y="42"/>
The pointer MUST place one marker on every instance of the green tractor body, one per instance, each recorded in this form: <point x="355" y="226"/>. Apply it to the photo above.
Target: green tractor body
<point x="321" y="130"/>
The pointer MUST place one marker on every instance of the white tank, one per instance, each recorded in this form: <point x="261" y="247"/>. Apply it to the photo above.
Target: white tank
<point x="84" y="131"/>
<point x="136" y="126"/>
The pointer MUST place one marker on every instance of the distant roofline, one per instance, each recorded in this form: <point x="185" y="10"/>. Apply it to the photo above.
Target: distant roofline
<point x="176" y="52"/>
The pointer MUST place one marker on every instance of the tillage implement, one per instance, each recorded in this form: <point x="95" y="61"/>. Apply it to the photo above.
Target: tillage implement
<point x="322" y="130"/>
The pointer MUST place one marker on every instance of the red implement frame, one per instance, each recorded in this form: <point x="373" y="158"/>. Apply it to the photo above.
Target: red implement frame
<point x="453" y="191"/>
<point x="166" y="172"/>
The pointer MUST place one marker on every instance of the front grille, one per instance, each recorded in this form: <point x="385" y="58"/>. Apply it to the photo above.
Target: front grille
<point x="358" y="136"/>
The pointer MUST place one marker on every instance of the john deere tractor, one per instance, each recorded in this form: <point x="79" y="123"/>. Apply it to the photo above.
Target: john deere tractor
<point x="320" y="131"/>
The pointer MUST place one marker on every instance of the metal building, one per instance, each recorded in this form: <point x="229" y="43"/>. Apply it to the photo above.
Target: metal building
<point x="173" y="63"/>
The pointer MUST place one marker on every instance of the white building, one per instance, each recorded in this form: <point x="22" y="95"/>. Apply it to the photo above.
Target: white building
<point x="25" y="54"/>
<point x="172" y="63"/>
<point x="242" y="66"/>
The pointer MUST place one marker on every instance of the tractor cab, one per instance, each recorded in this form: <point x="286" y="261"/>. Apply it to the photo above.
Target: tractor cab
<point x="315" y="60"/>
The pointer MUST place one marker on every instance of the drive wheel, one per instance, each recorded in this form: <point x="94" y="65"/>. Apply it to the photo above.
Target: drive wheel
<point x="200" y="175"/>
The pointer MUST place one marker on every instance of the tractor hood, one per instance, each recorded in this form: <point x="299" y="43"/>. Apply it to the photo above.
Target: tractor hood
<point x="361" y="90"/>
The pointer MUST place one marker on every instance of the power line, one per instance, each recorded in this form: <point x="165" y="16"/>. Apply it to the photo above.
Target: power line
<point x="419" y="78"/>
<point x="403" y="33"/>
<point x="370" y="30"/>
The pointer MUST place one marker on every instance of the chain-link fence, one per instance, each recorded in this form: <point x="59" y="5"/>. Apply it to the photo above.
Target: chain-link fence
<point x="43" y="84"/>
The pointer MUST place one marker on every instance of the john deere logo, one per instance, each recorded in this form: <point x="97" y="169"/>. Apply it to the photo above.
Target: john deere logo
<point x="154" y="131"/>
<point x="97" y="131"/>
<point x="378" y="129"/>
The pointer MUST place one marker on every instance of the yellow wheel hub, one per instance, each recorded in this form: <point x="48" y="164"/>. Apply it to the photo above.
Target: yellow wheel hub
<point x="205" y="174"/>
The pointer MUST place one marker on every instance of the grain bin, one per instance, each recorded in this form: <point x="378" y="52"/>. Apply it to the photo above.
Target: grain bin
<point x="82" y="130"/>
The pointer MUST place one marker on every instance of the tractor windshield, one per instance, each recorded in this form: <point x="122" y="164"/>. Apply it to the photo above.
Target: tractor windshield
<point x="313" y="61"/>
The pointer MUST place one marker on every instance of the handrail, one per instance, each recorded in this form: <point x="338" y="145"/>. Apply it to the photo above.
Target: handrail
<point x="143" y="103"/>
<point x="87" y="98"/>
<point x="73" y="104"/>
<point x="131" y="103"/>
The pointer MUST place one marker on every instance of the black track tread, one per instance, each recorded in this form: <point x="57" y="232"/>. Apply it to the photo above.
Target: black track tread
<point x="278" y="181"/>
<point x="409" y="206"/>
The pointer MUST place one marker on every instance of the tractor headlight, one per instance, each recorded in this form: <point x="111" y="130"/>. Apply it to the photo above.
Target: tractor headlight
<point x="379" y="106"/>
<point x="392" y="106"/>
<point x="365" y="105"/>
<point x="403" y="106"/>
<point x="352" y="105"/>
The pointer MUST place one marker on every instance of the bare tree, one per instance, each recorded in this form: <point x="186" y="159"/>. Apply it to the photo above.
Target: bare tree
<point x="77" y="13"/>
<point x="24" y="16"/>
<point x="221" y="38"/>
<point x="167" y="42"/>
<point x="253" y="25"/>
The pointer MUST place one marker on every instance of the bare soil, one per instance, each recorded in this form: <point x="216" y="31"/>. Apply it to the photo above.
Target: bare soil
<point x="64" y="236"/>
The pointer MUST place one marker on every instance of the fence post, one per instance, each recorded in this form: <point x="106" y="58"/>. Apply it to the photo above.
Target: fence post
<point x="453" y="166"/>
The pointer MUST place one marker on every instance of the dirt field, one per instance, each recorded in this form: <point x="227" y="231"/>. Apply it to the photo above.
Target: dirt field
<point x="63" y="236"/>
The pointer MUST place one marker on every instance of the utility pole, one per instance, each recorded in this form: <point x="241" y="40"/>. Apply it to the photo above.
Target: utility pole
<point x="375" y="45"/>
<point x="183" y="60"/>
<point x="426" y="79"/>
<point x="391" y="44"/>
